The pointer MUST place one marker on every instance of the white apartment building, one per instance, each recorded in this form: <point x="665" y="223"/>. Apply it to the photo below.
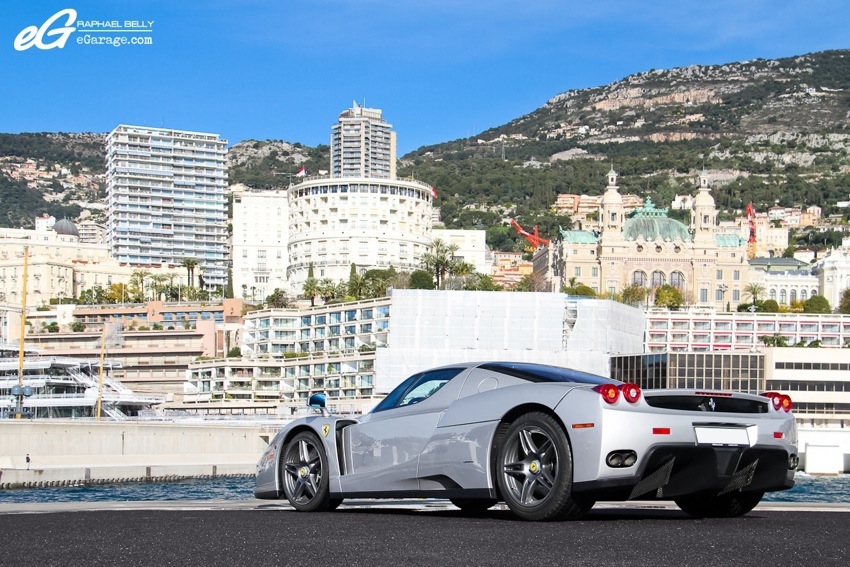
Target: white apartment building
<point x="363" y="144"/>
<point x="708" y="330"/>
<point x="371" y="223"/>
<point x="166" y="199"/>
<point x="91" y="232"/>
<point x="260" y="241"/>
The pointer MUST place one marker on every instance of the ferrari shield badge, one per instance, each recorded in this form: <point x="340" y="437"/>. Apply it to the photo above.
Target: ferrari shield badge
<point x="326" y="429"/>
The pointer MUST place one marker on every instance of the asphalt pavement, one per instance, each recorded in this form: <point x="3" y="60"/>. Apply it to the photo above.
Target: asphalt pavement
<point x="415" y="534"/>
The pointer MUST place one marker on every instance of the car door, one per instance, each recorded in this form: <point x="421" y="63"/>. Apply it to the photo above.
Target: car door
<point x="382" y="451"/>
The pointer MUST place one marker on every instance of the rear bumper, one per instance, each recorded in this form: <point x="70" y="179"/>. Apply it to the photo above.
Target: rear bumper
<point x="671" y="471"/>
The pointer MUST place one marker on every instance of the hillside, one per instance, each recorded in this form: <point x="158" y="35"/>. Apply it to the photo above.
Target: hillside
<point x="768" y="131"/>
<point x="771" y="132"/>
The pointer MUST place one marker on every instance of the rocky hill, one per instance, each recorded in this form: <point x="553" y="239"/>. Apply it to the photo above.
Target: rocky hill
<point x="768" y="131"/>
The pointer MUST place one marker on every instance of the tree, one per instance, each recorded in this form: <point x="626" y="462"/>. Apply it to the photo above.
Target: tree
<point x="327" y="290"/>
<point x="158" y="282"/>
<point x="439" y="261"/>
<point x="668" y="296"/>
<point x="78" y="326"/>
<point x="769" y="306"/>
<point x="776" y="340"/>
<point x="234" y="352"/>
<point x="355" y="283"/>
<point x="754" y="290"/>
<point x="817" y="304"/>
<point x="531" y="282"/>
<point x="136" y="288"/>
<point x="278" y="300"/>
<point x="844" y="302"/>
<point x="633" y="294"/>
<point x="421" y="279"/>
<point x="311" y="290"/>
<point x="190" y="264"/>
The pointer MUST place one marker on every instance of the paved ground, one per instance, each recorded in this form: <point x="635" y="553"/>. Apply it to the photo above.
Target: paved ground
<point x="425" y="533"/>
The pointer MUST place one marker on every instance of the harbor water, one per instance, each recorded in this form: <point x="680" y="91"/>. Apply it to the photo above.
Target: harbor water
<point x="834" y="489"/>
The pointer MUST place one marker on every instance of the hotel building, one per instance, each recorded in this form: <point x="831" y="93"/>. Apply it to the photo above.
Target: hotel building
<point x="166" y="199"/>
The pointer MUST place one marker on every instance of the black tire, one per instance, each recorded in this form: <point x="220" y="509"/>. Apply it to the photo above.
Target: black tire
<point x="474" y="505"/>
<point x="534" y="470"/>
<point x="304" y="468"/>
<point x="729" y="505"/>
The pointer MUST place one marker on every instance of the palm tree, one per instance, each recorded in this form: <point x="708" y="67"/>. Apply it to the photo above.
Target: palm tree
<point x="440" y="260"/>
<point x="754" y="290"/>
<point x="158" y="281"/>
<point x="190" y="264"/>
<point x="327" y="289"/>
<point x="311" y="290"/>
<point x="137" y="284"/>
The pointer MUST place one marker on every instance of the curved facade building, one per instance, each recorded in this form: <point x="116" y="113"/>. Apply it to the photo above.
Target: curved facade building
<point x="373" y="223"/>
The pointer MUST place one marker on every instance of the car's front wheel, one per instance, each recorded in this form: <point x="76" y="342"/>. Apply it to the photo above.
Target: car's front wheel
<point x="729" y="505"/>
<point x="534" y="469"/>
<point x="305" y="474"/>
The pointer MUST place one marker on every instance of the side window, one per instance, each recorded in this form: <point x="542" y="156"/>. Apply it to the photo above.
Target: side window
<point x="417" y="388"/>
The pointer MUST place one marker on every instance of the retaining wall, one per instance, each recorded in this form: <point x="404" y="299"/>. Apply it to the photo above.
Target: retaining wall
<point x="73" y="452"/>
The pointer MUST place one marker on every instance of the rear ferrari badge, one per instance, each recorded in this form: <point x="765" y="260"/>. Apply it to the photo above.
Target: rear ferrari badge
<point x="326" y="429"/>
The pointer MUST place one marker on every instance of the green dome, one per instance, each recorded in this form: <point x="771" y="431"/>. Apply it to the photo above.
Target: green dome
<point x="651" y="228"/>
<point x="650" y="223"/>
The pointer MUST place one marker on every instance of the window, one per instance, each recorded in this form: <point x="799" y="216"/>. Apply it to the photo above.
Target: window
<point x="658" y="278"/>
<point x="639" y="278"/>
<point x="594" y="272"/>
<point x="577" y="271"/>
<point x="736" y="275"/>
<point x="417" y="388"/>
<point x="703" y="295"/>
<point x="719" y="275"/>
<point x="677" y="279"/>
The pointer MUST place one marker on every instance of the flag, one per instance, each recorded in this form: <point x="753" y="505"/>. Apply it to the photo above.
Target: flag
<point x="434" y="192"/>
<point x="301" y="172"/>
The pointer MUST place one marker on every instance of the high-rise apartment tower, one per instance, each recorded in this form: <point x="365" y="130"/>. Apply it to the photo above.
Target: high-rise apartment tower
<point x="166" y="199"/>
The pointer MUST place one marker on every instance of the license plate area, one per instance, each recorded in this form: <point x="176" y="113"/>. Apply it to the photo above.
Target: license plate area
<point x="726" y="435"/>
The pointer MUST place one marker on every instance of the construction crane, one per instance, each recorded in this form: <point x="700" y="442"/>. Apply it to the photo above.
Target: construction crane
<point x="751" y="241"/>
<point x="533" y="238"/>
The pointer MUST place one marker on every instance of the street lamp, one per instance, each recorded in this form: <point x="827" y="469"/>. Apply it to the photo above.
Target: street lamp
<point x="723" y="288"/>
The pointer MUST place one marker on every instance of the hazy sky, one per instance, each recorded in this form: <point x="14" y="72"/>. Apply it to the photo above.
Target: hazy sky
<point x="439" y="69"/>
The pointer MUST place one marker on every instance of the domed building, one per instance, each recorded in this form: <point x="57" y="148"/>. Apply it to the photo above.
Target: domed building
<point x="66" y="228"/>
<point x="651" y="249"/>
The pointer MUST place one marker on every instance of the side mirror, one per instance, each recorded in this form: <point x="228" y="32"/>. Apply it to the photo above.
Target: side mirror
<point x="317" y="401"/>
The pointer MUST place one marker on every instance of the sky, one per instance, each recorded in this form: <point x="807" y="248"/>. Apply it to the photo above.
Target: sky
<point x="439" y="69"/>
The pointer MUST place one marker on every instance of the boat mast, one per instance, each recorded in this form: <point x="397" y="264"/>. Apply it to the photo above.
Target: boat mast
<point x="100" y="374"/>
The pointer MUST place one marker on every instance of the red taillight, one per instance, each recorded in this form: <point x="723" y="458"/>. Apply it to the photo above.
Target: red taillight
<point x="610" y="393"/>
<point x="779" y="401"/>
<point x="631" y="392"/>
<point x="775" y="399"/>
<point x="661" y="431"/>
<point x="778" y="435"/>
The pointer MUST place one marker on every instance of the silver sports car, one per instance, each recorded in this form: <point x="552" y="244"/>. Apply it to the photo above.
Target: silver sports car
<point x="547" y="441"/>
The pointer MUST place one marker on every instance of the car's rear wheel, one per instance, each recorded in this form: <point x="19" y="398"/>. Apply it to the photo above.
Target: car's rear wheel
<point x="305" y="474"/>
<point x="724" y="506"/>
<point x="473" y="505"/>
<point x="534" y="469"/>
